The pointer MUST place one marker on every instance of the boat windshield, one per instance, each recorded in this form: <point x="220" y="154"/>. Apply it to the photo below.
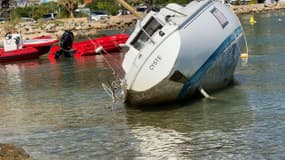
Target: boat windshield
<point x="149" y="29"/>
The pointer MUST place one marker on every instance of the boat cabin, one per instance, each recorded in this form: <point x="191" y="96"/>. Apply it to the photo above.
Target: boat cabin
<point x="12" y="41"/>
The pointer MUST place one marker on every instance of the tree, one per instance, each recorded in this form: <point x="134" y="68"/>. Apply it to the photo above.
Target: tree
<point x="109" y="5"/>
<point x="171" y="1"/>
<point x="69" y="5"/>
<point x="5" y="8"/>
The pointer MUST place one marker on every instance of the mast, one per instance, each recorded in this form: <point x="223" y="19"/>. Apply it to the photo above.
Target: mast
<point x="130" y="8"/>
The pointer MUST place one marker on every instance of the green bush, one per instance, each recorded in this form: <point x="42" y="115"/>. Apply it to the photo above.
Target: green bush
<point x="104" y="5"/>
<point x="35" y="11"/>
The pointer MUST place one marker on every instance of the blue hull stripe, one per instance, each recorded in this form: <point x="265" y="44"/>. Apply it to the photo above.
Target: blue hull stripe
<point x="210" y="61"/>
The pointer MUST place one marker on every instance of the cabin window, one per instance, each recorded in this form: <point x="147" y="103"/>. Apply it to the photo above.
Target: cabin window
<point x="149" y="29"/>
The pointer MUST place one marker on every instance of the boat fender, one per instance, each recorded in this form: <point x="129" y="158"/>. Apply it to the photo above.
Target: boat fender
<point x="99" y="49"/>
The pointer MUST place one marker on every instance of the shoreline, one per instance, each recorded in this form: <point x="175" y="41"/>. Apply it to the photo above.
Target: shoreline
<point x="83" y="28"/>
<point x="256" y="8"/>
<point x="80" y="27"/>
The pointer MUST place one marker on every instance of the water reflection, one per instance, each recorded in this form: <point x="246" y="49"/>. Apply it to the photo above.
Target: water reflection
<point x="13" y="80"/>
<point x="267" y="34"/>
<point x="57" y="110"/>
<point x="203" y="127"/>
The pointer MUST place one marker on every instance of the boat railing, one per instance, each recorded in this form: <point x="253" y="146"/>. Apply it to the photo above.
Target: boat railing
<point x="173" y="10"/>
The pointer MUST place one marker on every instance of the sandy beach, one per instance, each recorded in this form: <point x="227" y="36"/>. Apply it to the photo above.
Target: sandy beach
<point x="81" y="27"/>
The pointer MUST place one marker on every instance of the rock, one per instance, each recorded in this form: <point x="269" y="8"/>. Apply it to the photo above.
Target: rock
<point x="13" y="152"/>
<point x="59" y="33"/>
<point x="80" y="26"/>
<point x="50" y="27"/>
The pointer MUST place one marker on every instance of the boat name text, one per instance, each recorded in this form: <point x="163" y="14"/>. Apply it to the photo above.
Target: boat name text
<point x="155" y="62"/>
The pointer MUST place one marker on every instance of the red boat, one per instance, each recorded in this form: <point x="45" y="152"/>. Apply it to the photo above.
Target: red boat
<point x="19" y="54"/>
<point x="15" y="49"/>
<point x="42" y="43"/>
<point x="93" y="46"/>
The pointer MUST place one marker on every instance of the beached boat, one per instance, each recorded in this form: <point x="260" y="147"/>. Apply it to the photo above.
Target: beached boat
<point x="179" y="50"/>
<point x="15" y="49"/>
<point x="93" y="46"/>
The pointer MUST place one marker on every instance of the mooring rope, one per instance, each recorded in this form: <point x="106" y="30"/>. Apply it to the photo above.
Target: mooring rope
<point x="116" y="88"/>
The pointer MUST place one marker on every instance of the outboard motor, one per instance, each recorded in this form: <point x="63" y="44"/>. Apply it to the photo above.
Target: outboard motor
<point x="66" y="45"/>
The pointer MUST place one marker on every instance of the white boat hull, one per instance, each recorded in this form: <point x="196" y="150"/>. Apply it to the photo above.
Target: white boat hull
<point x="183" y="55"/>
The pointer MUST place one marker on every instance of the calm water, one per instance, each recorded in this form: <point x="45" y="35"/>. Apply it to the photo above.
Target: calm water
<point x="59" y="110"/>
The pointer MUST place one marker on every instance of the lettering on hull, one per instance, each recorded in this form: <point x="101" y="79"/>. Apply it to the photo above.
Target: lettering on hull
<point x="155" y="62"/>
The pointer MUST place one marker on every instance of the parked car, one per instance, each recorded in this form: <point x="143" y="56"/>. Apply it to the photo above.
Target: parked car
<point x="239" y="2"/>
<point x="49" y="16"/>
<point x="2" y="20"/>
<point x="28" y="19"/>
<point x="141" y="9"/>
<point x="82" y="11"/>
<point x="123" y="12"/>
<point x="98" y="15"/>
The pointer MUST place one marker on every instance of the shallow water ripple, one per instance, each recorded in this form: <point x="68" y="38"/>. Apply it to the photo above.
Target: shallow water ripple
<point x="59" y="110"/>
